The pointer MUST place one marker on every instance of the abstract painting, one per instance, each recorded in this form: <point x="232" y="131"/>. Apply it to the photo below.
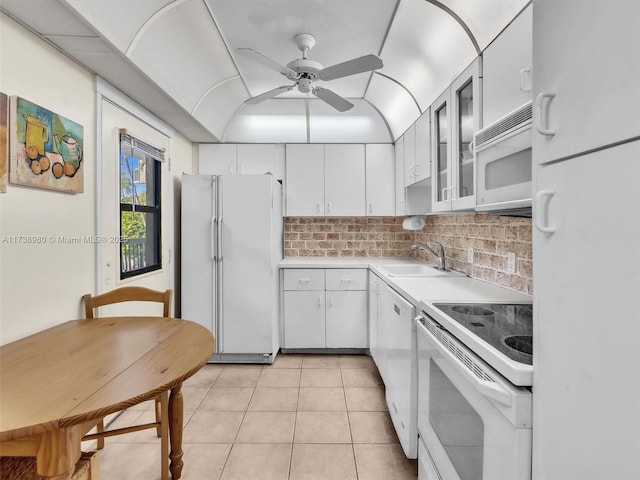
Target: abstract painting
<point x="4" y="147"/>
<point x="46" y="149"/>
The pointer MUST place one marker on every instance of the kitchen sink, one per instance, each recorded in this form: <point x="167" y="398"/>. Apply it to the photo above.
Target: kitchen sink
<point x="412" y="270"/>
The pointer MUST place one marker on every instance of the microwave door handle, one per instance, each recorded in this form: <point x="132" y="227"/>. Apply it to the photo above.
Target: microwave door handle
<point x="485" y="387"/>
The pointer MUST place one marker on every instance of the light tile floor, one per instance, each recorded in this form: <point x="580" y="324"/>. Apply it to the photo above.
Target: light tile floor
<point x="306" y="417"/>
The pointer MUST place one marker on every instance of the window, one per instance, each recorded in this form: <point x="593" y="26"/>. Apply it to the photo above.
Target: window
<point x="140" y="200"/>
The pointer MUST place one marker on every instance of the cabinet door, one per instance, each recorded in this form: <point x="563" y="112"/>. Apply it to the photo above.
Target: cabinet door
<point x="398" y="151"/>
<point x="506" y="69"/>
<point x="586" y="283"/>
<point x="455" y="117"/>
<point x="344" y="180"/>
<point x="422" y="168"/>
<point x="465" y="121"/>
<point x="305" y="180"/>
<point x="441" y="153"/>
<point x="380" y="191"/>
<point x="410" y="155"/>
<point x="346" y="319"/>
<point x="585" y="53"/>
<point x="373" y="317"/>
<point x="217" y="158"/>
<point x="385" y="305"/>
<point x="304" y="319"/>
<point x="257" y="159"/>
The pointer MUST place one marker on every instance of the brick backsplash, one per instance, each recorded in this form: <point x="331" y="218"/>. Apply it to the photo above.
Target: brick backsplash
<point x="491" y="238"/>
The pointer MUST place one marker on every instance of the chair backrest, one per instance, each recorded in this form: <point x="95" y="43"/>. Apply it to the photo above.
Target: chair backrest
<point x="128" y="294"/>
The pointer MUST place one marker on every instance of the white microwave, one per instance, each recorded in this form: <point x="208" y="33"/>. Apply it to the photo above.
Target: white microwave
<point x="504" y="164"/>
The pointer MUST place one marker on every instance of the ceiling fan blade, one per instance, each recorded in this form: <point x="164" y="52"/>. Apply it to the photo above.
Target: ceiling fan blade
<point x="332" y="98"/>
<point x="271" y="93"/>
<point x="351" y="67"/>
<point x="267" y="62"/>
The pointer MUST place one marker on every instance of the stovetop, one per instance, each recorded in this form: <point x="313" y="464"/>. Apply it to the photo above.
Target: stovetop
<point x="505" y="327"/>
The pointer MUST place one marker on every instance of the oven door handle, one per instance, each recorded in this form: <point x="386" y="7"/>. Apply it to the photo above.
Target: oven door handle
<point x="487" y="388"/>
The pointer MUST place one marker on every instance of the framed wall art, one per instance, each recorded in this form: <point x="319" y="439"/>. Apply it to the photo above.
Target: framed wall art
<point x="4" y="147"/>
<point x="46" y="149"/>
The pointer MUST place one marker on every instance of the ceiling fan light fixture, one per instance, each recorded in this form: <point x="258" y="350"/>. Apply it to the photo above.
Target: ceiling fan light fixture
<point x="304" y="72"/>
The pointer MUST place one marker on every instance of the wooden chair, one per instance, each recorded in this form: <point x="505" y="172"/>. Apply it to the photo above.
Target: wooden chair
<point x="25" y="468"/>
<point x="136" y="294"/>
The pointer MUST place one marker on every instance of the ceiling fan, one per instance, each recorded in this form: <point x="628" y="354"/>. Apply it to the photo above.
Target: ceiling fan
<point x="304" y="71"/>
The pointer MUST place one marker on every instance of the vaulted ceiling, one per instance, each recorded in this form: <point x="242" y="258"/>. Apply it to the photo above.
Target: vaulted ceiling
<point x="178" y="59"/>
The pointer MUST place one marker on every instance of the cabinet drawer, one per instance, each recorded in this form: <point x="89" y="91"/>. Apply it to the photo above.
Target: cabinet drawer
<point x="304" y="279"/>
<point x="346" y="279"/>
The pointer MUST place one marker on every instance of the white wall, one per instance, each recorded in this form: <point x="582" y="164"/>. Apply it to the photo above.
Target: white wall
<point x="41" y="285"/>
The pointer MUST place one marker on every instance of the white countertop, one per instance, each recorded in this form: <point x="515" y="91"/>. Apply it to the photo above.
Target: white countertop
<point x="345" y="262"/>
<point x="444" y="287"/>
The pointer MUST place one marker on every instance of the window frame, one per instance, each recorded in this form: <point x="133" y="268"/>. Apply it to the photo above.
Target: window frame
<point x="143" y="152"/>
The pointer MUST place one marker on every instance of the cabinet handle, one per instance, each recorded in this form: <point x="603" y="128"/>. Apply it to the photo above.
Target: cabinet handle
<point x="330" y="301"/>
<point x="304" y="280"/>
<point x="318" y="207"/>
<point x="543" y="197"/>
<point x="541" y="111"/>
<point x="345" y="280"/>
<point x="412" y="171"/>
<point x="524" y="73"/>
<point x="328" y="207"/>
<point x="319" y="301"/>
<point x="370" y="207"/>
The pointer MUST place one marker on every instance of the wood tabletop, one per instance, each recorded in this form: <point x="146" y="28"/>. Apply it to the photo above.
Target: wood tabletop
<point x="85" y="369"/>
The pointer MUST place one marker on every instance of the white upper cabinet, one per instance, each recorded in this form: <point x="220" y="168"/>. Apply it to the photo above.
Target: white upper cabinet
<point x="399" y="177"/>
<point x="506" y="69"/>
<point x="455" y="117"/>
<point x="243" y="159"/>
<point x="380" y="170"/>
<point x="344" y="180"/>
<point x="305" y="180"/>
<point x="422" y="168"/>
<point x="417" y="151"/>
<point x="325" y="180"/>
<point x="409" y="139"/>
<point x="586" y="70"/>
<point x="261" y="158"/>
<point x="216" y="159"/>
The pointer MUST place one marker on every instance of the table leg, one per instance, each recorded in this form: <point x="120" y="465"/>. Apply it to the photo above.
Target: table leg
<point x="176" y="412"/>
<point x="55" y="454"/>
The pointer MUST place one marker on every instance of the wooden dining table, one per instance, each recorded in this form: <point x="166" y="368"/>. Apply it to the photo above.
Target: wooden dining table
<point x="55" y="383"/>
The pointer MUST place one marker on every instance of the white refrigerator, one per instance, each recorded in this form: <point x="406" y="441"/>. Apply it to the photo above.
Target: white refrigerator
<point x="232" y="242"/>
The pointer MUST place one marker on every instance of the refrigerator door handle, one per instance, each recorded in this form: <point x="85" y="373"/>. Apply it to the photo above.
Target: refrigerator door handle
<point x="220" y="239"/>
<point x="214" y="239"/>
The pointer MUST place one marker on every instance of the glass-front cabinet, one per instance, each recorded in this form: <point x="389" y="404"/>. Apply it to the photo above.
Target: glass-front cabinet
<point x="455" y="117"/>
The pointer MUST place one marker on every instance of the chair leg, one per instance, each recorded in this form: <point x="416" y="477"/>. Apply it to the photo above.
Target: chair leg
<point x="158" y="415"/>
<point x="100" y="428"/>
<point x="164" y="435"/>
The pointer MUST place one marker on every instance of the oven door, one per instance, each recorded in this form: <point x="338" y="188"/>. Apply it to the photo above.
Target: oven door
<point x="473" y="424"/>
<point x="504" y="172"/>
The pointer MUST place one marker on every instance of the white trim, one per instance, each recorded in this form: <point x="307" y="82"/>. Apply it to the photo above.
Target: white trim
<point x="105" y="92"/>
<point x="119" y="99"/>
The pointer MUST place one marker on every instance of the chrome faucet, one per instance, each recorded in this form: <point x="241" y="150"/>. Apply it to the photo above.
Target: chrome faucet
<point x="439" y="252"/>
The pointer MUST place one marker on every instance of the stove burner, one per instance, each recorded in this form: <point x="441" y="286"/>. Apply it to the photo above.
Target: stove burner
<point x="521" y="343"/>
<point x="505" y="327"/>
<point x="472" y="310"/>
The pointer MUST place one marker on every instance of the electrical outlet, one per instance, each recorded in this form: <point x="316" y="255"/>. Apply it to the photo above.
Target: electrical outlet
<point x="511" y="262"/>
<point x="470" y="255"/>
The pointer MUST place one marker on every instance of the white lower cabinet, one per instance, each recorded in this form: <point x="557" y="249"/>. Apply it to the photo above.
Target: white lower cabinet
<point x="398" y="364"/>
<point x="374" y="293"/>
<point x="304" y="324"/>
<point x="325" y="308"/>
